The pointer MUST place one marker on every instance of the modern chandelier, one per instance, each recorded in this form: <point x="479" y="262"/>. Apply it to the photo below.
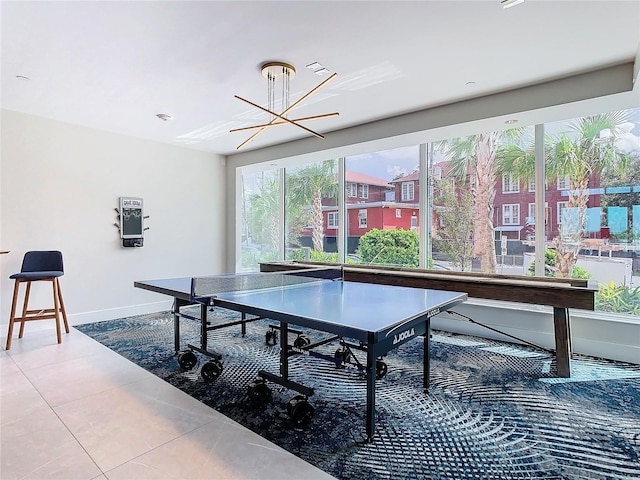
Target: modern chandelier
<point x="279" y="75"/>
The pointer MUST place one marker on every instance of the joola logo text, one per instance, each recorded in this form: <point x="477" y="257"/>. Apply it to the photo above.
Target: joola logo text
<point x="433" y="312"/>
<point x="403" y="335"/>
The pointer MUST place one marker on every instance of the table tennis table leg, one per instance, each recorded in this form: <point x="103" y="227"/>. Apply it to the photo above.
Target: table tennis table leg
<point x="426" y="357"/>
<point x="371" y="392"/>
<point x="176" y="325"/>
<point x="203" y="326"/>
<point x="284" y="350"/>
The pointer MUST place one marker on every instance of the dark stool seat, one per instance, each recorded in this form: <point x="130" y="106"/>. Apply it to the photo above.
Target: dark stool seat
<point x="38" y="266"/>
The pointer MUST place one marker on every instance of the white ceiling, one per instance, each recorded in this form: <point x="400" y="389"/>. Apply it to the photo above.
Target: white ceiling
<point x="115" y="65"/>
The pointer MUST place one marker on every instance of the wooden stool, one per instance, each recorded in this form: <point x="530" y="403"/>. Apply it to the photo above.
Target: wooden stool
<point x="38" y="266"/>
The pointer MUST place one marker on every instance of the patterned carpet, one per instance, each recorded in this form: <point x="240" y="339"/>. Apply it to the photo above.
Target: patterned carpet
<point x="493" y="411"/>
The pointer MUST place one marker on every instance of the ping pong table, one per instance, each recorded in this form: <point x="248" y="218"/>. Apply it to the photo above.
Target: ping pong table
<point x="370" y="318"/>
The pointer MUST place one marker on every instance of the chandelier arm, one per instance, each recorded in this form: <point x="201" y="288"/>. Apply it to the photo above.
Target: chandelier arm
<point x="280" y="117"/>
<point x="281" y="122"/>
<point x="311" y="92"/>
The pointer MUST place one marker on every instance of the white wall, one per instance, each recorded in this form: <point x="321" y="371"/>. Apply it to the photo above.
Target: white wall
<point x="60" y="185"/>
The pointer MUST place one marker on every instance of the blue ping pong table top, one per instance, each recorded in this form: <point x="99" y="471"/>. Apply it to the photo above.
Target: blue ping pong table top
<point x="357" y="306"/>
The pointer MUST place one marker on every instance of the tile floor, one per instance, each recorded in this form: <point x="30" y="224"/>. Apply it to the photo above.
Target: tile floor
<point x="80" y="411"/>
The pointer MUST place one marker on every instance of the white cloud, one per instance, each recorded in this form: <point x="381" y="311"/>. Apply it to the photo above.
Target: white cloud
<point x="628" y="142"/>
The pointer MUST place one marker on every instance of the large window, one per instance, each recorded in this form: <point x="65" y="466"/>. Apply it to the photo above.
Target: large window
<point x="383" y="232"/>
<point x="595" y="233"/>
<point x="311" y="194"/>
<point x="481" y="206"/>
<point x="260" y="240"/>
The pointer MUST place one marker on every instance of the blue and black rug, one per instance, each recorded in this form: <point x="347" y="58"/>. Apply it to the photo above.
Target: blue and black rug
<point x="494" y="410"/>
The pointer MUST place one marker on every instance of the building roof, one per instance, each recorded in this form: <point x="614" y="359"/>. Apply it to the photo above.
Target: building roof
<point x="413" y="176"/>
<point x="357" y="177"/>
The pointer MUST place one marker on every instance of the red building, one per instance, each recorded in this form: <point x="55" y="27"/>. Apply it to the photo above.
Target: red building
<point x="514" y="211"/>
<point x="388" y="205"/>
<point x="371" y="203"/>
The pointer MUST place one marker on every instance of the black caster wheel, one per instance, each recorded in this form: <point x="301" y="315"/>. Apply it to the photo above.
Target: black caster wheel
<point x="211" y="370"/>
<point x="343" y="356"/>
<point x="271" y="337"/>
<point x="301" y="341"/>
<point x="259" y="392"/>
<point x="187" y="360"/>
<point x="381" y="369"/>
<point x="300" y="411"/>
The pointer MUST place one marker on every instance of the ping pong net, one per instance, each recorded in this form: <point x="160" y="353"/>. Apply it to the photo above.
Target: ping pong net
<point x="210" y="286"/>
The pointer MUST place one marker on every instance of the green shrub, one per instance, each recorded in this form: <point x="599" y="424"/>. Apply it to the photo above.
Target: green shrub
<point x="389" y="247"/>
<point x="550" y="270"/>
<point x="300" y="254"/>
<point x="618" y="299"/>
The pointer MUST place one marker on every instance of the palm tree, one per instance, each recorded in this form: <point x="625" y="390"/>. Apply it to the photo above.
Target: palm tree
<point x="586" y="149"/>
<point x="308" y="186"/>
<point x="583" y="150"/>
<point x="474" y="156"/>
<point x="261" y="216"/>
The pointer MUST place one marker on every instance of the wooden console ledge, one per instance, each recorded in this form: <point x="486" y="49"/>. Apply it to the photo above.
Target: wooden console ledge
<point x="559" y="293"/>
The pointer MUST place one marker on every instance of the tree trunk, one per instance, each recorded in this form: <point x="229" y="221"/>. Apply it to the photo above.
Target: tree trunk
<point x="317" y="221"/>
<point x="568" y="242"/>
<point x="484" y="194"/>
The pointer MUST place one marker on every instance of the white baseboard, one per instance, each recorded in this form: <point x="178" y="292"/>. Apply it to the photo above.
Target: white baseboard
<point x="120" y="312"/>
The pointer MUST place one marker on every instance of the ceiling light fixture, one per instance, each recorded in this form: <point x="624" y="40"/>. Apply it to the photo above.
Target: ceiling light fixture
<point x="511" y="121"/>
<point x="281" y="73"/>
<point x="164" y="117"/>
<point x="510" y="3"/>
<point x="24" y="78"/>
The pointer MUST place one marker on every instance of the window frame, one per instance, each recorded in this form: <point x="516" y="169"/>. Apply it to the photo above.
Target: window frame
<point x="362" y="215"/>
<point x="333" y="224"/>
<point x="405" y="197"/>
<point x="511" y="216"/>
<point x="509" y="184"/>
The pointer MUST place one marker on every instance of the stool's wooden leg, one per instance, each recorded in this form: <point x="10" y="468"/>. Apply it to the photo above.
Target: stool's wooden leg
<point x="56" y="306"/>
<point x="64" y="310"/>
<point x="25" y="307"/>
<point x="12" y="318"/>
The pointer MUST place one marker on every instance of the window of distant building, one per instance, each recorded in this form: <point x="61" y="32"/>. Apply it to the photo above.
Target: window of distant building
<point x="510" y="184"/>
<point x="407" y="191"/>
<point x="362" y="219"/>
<point x="398" y="213"/>
<point x="511" y="214"/>
<point x="364" y="191"/>
<point x="532" y="185"/>
<point x="563" y="182"/>
<point x="332" y="220"/>
<point x="561" y="206"/>
<point x="414" y="223"/>
<point x="531" y="214"/>
<point x="352" y="190"/>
